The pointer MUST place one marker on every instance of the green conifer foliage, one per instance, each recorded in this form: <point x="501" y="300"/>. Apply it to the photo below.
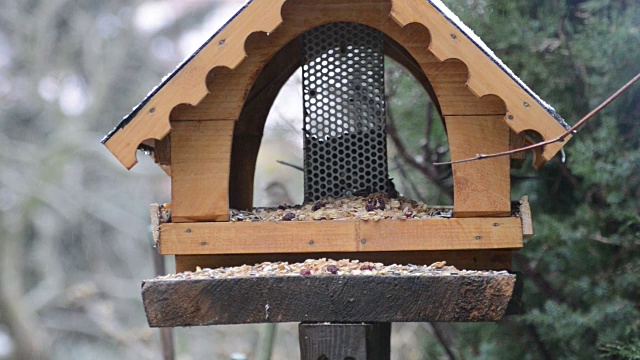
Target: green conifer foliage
<point x="582" y="269"/>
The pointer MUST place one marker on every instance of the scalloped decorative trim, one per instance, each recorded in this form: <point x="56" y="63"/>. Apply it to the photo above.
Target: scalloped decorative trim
<point x="187" y="85"/>
<point x="226" y="48"/>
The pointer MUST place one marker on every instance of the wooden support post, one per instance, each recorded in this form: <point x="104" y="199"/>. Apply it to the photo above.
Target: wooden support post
<point x="200" y="156"/>
<point x="345" y="341"/>
<point x="481" y="188"/>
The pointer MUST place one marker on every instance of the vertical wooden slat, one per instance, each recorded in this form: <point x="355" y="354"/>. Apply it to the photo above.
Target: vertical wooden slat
<point x="163" y="151"/>
<point x="481" y="188"/>
<point x="200" y="154"/>
<point x="517" y="141"/>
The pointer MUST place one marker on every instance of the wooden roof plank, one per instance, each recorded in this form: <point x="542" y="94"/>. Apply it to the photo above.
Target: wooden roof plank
<point x="450" y="40"/>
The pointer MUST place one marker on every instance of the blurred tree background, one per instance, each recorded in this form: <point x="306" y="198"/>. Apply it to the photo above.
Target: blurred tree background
<point x="74" y="241"/>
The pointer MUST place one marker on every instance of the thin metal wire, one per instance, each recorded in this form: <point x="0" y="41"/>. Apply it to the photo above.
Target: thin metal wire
<point x="572" y="131"/>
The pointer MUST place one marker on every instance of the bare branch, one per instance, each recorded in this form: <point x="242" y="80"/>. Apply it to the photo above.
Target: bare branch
<point x="407" y="180"/>
<point x="430" y="172"/>
<point x="560" y="138"/>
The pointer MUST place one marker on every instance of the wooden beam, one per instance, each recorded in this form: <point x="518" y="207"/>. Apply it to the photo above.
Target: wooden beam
<point x="480" y="188"/>
<point x="340" y="236"/>
<point x="345" y="341"/>
<point x="200" y="153"/>
<point x="462" y="259"/>
<point x="194" y="302"/>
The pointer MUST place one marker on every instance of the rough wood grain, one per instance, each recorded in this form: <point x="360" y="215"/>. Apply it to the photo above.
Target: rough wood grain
<point x="170" y="303"/>
<point x="340" y="236"/>
<point x="480" y="188"/>
<point x="345" y="341"/>
<point x="200" y="153"/>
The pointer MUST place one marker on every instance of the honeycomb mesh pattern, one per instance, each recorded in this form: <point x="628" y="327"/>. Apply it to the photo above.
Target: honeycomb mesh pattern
<point x="345" y="143"/>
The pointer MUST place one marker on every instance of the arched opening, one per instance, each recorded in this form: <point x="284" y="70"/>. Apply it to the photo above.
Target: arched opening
<point x="279" y="177"/>
<point x="444" y="82"/>
<point x="415" y="136"/>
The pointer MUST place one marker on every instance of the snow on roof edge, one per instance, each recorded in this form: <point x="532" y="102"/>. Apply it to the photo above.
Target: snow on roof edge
<point x="438" y="4"/>
<point x="136" y="109"/>
<point x="455" y="20"/>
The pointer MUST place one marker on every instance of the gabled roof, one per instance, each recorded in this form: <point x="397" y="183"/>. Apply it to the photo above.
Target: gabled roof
<point x="150" y="118"/>
<point x="167" y="78"/>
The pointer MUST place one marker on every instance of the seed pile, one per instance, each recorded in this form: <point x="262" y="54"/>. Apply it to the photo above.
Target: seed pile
<point x="327" y="267"/>
<point x="374" y="207"/>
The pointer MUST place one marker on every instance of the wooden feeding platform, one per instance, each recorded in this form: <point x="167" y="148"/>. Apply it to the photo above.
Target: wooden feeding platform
<point x="204" y="123"/>
<point x="379" y="235"/>
<point x="395" y="293"/>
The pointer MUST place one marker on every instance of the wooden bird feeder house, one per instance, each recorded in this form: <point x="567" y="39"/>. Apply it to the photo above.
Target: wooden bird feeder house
<point x="204" y="125"/>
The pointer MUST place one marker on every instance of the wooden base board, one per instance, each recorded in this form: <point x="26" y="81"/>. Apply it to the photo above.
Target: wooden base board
<point x="344" y="299"/>
<point x="340" y="236"/>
